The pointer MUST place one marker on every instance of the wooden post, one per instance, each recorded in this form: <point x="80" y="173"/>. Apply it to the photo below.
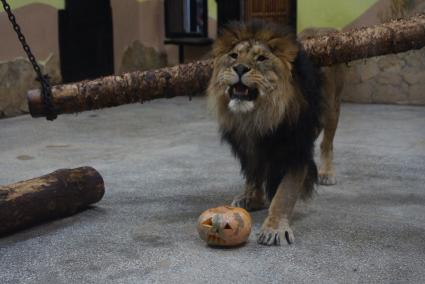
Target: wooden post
<point x="191" y="79"/>
<point x="58" y="194"/>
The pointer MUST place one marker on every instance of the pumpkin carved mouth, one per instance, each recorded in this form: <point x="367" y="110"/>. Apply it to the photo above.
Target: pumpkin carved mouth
<point x="214" y="240"/>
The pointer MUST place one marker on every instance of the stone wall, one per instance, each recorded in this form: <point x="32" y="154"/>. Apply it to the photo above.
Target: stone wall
<point x="390" y="79"/>
<point x="17" y="77"/>
<point x="138" y="57"/>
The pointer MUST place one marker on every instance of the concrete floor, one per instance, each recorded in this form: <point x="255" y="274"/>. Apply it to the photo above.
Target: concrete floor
<point x="163" y="165"/>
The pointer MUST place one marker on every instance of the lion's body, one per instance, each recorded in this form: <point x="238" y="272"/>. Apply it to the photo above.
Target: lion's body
<point x="268" y="98"/>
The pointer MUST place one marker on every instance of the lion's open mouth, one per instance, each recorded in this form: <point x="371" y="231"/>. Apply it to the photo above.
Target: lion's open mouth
<point x="242" y="92"/>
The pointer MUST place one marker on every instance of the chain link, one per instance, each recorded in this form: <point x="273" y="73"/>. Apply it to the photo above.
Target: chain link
<point x="46" y="89"/>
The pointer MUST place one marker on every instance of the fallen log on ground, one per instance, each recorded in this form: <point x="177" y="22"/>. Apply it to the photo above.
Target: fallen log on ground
<point x="191" y="79"/>
<point x="58" y="194"/>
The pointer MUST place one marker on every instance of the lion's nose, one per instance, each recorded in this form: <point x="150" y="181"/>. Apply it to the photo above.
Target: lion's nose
<point x="241" y="69"/>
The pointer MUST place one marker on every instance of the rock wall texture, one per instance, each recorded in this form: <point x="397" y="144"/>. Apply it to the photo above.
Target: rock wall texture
<point x="391" y="79"/>
<point x="17" y="77"/>
<point x="138" y="57"/>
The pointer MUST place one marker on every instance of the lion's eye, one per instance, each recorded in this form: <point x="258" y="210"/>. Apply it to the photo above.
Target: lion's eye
<point x="234" y="55"/>
<point x="261" y="58"/>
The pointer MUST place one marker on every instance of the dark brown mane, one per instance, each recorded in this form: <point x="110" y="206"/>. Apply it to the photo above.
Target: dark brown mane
<point x="279" y="39"/>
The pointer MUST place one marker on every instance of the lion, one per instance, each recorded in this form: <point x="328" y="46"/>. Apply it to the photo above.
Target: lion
<point x="269" y="103"/>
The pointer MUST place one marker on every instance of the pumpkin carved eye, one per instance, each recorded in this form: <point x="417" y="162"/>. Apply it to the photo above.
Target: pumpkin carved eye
<point x="208" y="222"/>
<point x="227" y="227"/>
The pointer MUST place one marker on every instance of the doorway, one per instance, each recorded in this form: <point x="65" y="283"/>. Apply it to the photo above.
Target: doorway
<point x="279" y="11"/>
<point x="86" y="40"/>
<point x="228" y="11"/>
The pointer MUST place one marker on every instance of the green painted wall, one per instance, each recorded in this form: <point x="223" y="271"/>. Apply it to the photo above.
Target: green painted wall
<point x="58" y="4"/>
<point x="212" y="9"/>
<point x="330" y="13"/>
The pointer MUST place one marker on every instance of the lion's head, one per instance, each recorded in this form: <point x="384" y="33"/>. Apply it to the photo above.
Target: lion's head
<point x="252" y="86"/>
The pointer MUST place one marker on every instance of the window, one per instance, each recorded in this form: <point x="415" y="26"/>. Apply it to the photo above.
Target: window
<point x="186" y="18"/>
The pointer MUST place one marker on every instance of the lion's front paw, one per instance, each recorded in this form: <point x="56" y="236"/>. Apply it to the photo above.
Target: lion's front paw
<point x="250" y="203"/>
<point x="327" y="178"/>
<point x="270" y="236"/>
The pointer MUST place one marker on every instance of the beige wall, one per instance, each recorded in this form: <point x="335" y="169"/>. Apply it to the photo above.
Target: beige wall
<point x="138" y="20"/>
<point x="39" y="23"/>
<point x="144" y="21"/>
<point x="141" y="20"/>
<point x="132" y="20"/>
<point x="125" y="18"/>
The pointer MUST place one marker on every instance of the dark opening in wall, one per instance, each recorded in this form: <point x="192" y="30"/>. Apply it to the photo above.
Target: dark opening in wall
<point x="186" y="23"/>
<point x="227" y="11"/>
<point x="86" y="40"/>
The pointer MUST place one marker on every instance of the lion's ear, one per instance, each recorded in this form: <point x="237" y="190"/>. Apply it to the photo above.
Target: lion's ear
<point x="284" y="48"/>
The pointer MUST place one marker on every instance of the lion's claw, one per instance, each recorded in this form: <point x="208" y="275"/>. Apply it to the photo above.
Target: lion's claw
<point x="269" y="236"/>
<point x="327" y="179"/>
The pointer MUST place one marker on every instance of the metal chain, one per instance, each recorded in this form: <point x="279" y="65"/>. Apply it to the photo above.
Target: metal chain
<point x="46" y="89"/>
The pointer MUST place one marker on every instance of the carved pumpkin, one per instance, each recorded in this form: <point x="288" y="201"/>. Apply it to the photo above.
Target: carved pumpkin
<point x="224" y="226"/>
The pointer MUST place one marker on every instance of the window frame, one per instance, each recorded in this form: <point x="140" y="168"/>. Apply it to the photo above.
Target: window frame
<point x="202" y="34"/>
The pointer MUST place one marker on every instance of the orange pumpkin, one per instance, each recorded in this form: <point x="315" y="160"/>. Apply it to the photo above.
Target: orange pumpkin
<point x="224" y="226"/>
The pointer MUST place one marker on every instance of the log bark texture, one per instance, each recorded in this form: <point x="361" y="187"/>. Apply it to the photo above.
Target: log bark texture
<point x="393" y="37"/>
<point x="181" y="80"/>
<point x="191" y="79"/>
<point x="58" y="194"/>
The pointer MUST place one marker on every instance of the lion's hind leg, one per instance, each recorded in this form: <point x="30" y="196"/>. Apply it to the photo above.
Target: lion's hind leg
<point x="332" y="88"/>
<point x="326" y="169"/>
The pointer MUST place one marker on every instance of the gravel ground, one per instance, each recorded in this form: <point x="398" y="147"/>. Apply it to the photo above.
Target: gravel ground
<point x="163" y="164"/>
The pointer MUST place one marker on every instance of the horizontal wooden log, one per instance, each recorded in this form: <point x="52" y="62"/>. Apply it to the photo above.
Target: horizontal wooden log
<point x="191" y="79"/>
<point x="58" y="194"/>
<point x="181" y="80"/>
<point x="393" y="37"/>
